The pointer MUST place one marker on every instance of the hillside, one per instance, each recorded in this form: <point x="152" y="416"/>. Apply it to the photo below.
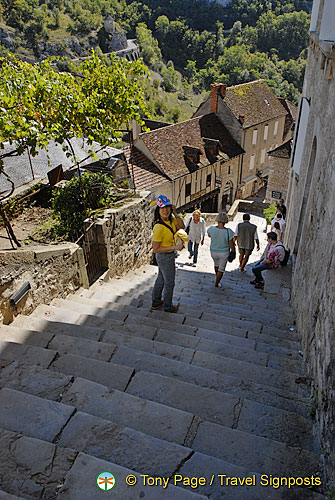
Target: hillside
<point x="189" y="44"/>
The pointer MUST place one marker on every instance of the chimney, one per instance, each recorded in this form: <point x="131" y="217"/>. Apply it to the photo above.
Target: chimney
<point x="216" y="89"/>
<point x="223" y="87"/>
<point x="241" y="119"/>
<point x="214" y="98"/>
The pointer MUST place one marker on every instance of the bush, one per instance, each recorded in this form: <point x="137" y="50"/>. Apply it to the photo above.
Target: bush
<point x="68" y="206"/>
<point x="270" y="213"/>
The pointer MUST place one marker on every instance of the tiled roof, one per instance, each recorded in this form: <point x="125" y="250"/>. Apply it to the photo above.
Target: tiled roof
<point x="282" y="151"/>
<point x="146" y="174"/>
<point x="18" y="167"/>
<point x="255" y="101"/>
<point x="166" y="144"/>
<point x="291" y="114"/>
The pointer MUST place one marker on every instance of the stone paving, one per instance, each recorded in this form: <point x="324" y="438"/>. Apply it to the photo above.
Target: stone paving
<point x="99" y="382"/>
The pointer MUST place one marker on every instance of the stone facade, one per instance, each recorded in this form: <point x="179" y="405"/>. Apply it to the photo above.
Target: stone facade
<point x="124" y="235"/>
<point x="311" y="212"/>
<point x="52" y="271"/>
<point x="278" y="179"/>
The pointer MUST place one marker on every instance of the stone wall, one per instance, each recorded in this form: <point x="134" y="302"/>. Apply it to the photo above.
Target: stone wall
<point x="125" y="235"/>
<point x="52" y="271"/>
<point x="311" y="212"/>
<point x="278" y="178"/>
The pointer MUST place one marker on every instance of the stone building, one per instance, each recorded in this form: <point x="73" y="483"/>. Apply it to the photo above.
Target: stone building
<point x="279" y="169"/>
<point x="310" y="233"/>
<point x="255" y="117"/>
<point x="195" y="163"/>
<point x="113" y="39"/>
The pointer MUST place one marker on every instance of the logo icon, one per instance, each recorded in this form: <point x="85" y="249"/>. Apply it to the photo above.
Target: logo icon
<point x="105" y="481"/>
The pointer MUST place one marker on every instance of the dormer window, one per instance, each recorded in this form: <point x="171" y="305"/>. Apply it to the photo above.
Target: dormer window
<point x="192" y="157"/>
<point x="212" y="147"/>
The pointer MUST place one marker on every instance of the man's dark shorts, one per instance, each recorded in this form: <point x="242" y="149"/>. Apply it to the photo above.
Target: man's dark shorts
<point x="246" y="251"/>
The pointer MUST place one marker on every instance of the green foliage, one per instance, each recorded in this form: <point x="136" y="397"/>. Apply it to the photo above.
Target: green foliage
<point x="39" y="103"/>
<point x="68" y="205"/>
<point x="270" y="212"/>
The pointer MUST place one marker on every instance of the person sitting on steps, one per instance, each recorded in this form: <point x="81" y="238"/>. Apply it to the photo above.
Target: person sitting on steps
<point x="274" y="253"/>
<point x="166" y="224"/>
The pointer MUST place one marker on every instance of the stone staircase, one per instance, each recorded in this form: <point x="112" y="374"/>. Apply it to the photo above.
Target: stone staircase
<point x="99" y="382"/>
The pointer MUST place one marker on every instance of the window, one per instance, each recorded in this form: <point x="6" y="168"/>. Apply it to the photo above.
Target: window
<point x="275" y="130"/>
<point x="252" y="162"/>
<point x="327" y="29"/>
<point x="266" y="132"/>
<point x="314" y="16"/>
<point x="229" y="169"/>
<point x="188" y="190"/>
<point x="254" y="137"/>
<point x="262" y="155"/>
<point x="208" y="180"/>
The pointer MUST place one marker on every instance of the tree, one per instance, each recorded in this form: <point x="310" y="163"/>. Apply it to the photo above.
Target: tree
<point x="39" y="103"/>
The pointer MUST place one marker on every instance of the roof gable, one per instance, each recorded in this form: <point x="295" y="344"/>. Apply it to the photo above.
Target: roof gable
<point x="255" y="101"/>
<point x="167" y="145"/>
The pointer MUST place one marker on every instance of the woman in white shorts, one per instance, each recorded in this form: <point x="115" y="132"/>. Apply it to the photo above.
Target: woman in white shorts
<point x="222" y="240"/>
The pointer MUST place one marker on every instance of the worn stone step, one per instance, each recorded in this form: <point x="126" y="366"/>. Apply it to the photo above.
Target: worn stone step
<point x="224" y="409"/>
<point x="193" y="374"/>
<point x="77" y="487"/>
<point x="31" y="415"/>
<point x="51" y="326"/>
<point x="155" y="419"/>
<point x="48" y="470"/>
<point x="36" y="355"/>
<point x="56" y="314"/>
<point x="111" y="374"/>
<point x="253" y="452"/>
<point x="221" y="488"/>
<point x="239" y="369"/>
<point x="7" y="496"/>
<point x="122" y="445"/>
<point x="32" y="468"/>
<point x="226" y="327"/>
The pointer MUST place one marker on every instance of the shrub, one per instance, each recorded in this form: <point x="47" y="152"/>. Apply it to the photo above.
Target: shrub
<point x="270" y="212"/>
<point x="68" y="206"/>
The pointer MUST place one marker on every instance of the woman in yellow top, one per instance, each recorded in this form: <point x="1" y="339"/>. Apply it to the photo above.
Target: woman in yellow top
<point x="166" y="223"/>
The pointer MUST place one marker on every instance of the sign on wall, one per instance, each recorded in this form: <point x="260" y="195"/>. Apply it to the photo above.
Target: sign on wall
<point x="218" y="181"/>
<point x="276" y="195"/>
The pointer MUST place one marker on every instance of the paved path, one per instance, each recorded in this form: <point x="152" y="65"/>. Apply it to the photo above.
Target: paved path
<point x="99" y="382"/>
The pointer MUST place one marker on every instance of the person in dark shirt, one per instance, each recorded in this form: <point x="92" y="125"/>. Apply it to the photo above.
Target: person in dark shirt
<point x="282" y="207"/>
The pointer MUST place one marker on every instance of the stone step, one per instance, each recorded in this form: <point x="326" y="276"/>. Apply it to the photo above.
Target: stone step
<point x="87" y="397"/>
<point x="101" y="351"/>
<point x="227" y="410"/>
<point x="102" y="319"/>
<point x="118" y="303"/>
<point x="76" y="486"/>
<point x="99" y="317"/>
<point x="175" y="353"/>
<point x="246" y="371"/>
<point x="7" y="496"/>
<point x="48" y="470"/>
<point x="204" y="403"/>
<point x="29" y="353"/>
<point x="227" y="328"/>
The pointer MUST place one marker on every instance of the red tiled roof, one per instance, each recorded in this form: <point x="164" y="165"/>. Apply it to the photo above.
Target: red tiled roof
<point x="255" y="101"/>
<point x="166" y="144"/>
<point x="146" y="174"/>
